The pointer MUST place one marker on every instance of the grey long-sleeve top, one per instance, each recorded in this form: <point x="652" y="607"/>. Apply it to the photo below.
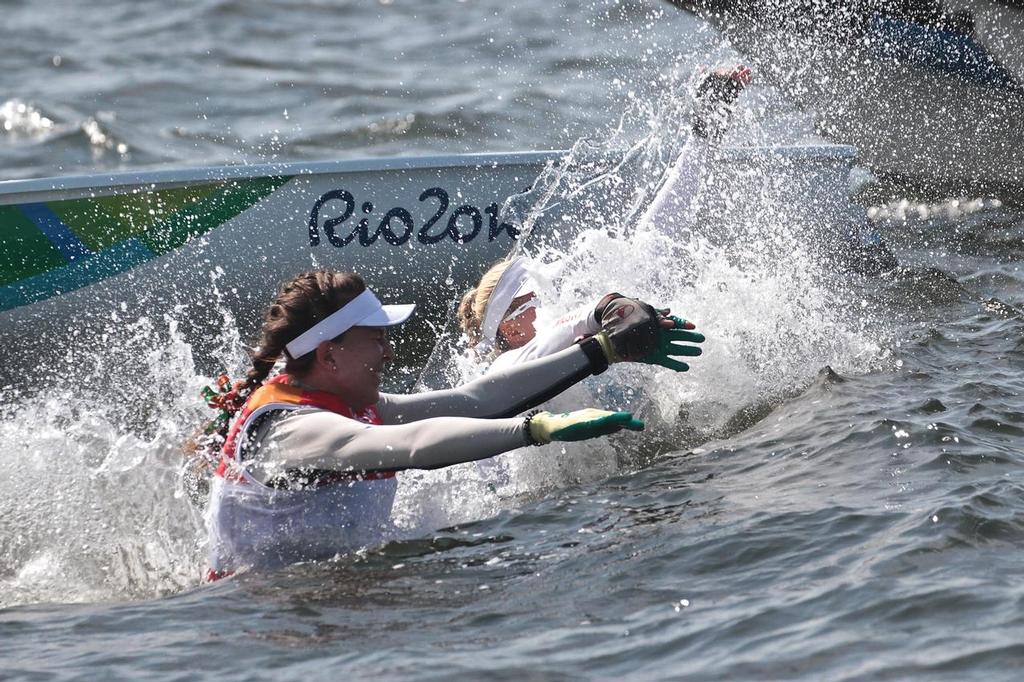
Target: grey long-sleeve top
<point x="421" y="430"/>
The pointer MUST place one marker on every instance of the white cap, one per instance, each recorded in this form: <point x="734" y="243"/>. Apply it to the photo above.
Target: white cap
<point x="365" y="310"/>
<point x="514" y="281"/>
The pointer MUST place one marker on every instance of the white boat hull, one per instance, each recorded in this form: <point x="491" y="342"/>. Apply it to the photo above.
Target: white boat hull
<point x="198" y="244"/>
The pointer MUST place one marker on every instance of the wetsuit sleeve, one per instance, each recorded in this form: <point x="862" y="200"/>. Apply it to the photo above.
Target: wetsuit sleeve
<point x="672" y="209"/>
<point x="501" y="393"/>
<point x="548" y="341"/>
<point x="322" y="440"/>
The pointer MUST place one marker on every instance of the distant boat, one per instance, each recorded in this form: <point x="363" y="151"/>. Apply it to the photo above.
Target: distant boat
<point x="80" y="256"/>
<point x="929" y="93"/>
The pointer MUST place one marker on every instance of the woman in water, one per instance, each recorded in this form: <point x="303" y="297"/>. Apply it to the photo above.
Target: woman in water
<point x="499" y="314"/>
<point x="498" y="317"/>
<point x="308" y="464"/>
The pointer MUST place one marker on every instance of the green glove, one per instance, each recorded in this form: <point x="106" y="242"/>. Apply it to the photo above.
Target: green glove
<point x="545" y="427"/>
<point x="672" y="343"/>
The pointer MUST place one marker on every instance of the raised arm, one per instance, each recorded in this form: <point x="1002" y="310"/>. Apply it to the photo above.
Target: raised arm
<point x="671" y="210"/>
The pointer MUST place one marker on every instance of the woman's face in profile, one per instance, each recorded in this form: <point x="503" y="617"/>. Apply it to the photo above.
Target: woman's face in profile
<point x="517" y="329"/>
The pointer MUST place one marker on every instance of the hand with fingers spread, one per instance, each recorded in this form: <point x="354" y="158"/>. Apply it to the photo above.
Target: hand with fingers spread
<point x="634" y="331"/>
<point x="715" y="97"/>
<point x="674" y="342"/>
<point x="545" y="427"/>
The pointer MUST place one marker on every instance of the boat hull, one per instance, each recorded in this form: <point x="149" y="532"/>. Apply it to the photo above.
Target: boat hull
<point x="198" y="250"/>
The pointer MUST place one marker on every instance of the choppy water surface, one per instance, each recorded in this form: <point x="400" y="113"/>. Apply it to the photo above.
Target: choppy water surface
<point x="831" y="493"/>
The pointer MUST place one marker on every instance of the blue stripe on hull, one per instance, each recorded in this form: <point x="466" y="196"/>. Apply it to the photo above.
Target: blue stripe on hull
<point x="59" y="234"/>
<point x="82" y="272"/>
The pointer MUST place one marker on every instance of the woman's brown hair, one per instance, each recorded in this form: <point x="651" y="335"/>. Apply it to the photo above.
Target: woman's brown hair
<point x="302" y="302"/>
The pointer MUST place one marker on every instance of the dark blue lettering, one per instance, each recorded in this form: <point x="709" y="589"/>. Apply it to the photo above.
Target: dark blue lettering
<point x="331" y="223"/>
<point x="389" y="234"/>
<point x="399" y="233"/>
<point x="453" y="224"/>
<point x="424" y="235"/>
<point x="494" y="229"/>
<point x="365" y="238"/>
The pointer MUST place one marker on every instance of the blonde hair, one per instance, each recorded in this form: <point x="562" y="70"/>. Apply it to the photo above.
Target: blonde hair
<point x="474" y="302"/>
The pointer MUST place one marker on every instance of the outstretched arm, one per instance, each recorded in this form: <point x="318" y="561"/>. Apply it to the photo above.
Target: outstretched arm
<point x="501" y="393"/>
<point x="307" y="441"/>
<point x="322" y="440"/>
<point x="558" y="337"/>
<point x="631" y="331"/>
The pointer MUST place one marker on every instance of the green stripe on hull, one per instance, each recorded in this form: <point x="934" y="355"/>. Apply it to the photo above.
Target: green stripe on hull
<point x="209" y="212"/>
<point x="24" y="249"/>
<point x="115" y="260"/>
<point x="123" y="231"/>
<point x="104" y="221"/>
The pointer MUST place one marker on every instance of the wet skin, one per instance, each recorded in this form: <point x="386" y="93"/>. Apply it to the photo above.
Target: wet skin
<point x="351" y="366"/>
<point x="520" y="330"/>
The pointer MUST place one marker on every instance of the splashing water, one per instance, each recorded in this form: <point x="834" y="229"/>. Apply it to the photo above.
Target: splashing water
<point x="758" y="272"/>
<point x="761" y="280"/>
<point x="94" y="506"/>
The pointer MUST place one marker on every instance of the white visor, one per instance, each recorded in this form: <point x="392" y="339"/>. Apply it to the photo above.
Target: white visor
<point x="515" y="281"/>
<point x="365" y="310"/>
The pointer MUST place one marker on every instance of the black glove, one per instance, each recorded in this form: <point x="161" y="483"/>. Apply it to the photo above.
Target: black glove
<point x="631" y="331"/>
<point x="630" y="326"/>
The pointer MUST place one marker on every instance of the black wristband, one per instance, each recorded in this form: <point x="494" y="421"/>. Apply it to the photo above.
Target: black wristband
<point x="527" y="434"/>
<point x="595" y="355"/>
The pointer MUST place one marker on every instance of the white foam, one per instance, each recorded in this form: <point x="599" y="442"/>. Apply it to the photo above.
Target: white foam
<point x="91" y="506"/>
<point x="768" y="297"/>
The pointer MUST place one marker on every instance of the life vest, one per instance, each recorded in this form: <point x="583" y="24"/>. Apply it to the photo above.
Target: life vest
<point x="276" y="395"/>
<point x="253" y="524"/>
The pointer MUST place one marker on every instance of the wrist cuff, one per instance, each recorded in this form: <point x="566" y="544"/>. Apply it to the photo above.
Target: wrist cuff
<point x="594" y="351"/>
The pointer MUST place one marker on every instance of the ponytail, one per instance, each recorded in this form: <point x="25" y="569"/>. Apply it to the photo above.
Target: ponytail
<point x="302" y="302"/>
<point x="469" y="321"/>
